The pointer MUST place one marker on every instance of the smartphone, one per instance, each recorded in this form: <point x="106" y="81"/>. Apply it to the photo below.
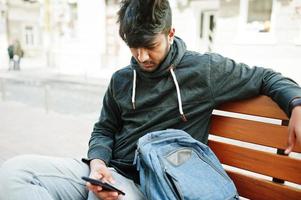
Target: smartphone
<point x="104" y="185"/>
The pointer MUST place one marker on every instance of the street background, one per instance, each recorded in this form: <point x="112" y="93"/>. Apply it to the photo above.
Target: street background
<point x="72" y="48"/>
<point x="43" y="113"/>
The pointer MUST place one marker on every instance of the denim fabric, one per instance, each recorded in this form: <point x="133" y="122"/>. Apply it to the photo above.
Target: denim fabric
<point x="172" y="165"/>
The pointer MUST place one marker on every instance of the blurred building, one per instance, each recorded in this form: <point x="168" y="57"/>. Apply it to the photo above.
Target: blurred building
<point x="23" y="18"/>
<point x="195" y="21"/>
<point x="3" y="34"/>
<point x="261" y="32"/>
<point x="68" y="35"/>
<point x="258" y="32"/>
<point x="81" y="37"/>
<point x="76" y="36"/>
<point x="20" y="20"/>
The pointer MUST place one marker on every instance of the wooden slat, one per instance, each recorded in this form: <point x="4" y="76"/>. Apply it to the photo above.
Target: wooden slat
<point x="260" y="106"/>
<point x="278" y="166"/>
<point x="251" y="131"/>
<point x="259" y="189"/>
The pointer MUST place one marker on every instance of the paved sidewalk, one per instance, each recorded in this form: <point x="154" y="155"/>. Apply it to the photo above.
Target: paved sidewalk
<point x="31" y="130"/>
<point x="35" y="69"/>
<point x="28" y="130"/>
<point x="42" y="75"/>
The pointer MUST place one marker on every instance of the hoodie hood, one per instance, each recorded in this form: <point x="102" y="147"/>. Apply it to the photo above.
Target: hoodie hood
<point x="167" y="67"/>
<point x="174" y="56"/>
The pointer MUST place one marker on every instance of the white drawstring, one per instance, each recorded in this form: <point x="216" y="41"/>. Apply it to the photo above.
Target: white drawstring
<point x="178" y="93"/>
<point x="134" y="89"/>
<point x="177" y="89"/>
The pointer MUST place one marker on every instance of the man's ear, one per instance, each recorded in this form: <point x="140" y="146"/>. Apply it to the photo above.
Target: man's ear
<point x="171" y="35"/>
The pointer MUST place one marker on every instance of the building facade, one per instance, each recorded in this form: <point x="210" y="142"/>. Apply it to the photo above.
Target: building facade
<point x="3" y="34"/>
<point x="80" y="37"/>
<point x="20" y="20"/>
<point x="265" y="33"/>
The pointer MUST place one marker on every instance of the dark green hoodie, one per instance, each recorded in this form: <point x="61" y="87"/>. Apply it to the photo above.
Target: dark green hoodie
<point x="138" y="102"/>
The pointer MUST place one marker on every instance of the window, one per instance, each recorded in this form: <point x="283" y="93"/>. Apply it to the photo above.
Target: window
<point x="257" y="22"/>
<point x="230" y="8"/>
<point x="73" y="18"/>
<point x="112" y="2"/>
<point x="259" y="15"/>
<point x="207" y="28"/>
<point x="29" y="36"/>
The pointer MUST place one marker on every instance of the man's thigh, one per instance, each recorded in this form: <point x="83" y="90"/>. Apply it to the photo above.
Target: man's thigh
<point x="35" y="177"/>
<point x="41" y="177"/>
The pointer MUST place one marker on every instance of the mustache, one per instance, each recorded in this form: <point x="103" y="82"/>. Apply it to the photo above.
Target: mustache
<point x="148" y="63"/>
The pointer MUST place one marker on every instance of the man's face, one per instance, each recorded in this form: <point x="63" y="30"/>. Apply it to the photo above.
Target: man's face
<point x="149" y="58"/>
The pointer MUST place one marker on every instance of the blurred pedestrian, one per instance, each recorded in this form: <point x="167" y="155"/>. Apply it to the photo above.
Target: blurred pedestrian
<point x="18" y="54"/>
<point x="10" y="51"/>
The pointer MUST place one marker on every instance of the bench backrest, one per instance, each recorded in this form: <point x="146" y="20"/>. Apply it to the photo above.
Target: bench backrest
<point x="254" y="153"/>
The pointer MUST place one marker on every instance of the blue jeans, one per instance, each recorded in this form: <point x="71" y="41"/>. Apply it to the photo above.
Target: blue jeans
<point x="33" y="177"/>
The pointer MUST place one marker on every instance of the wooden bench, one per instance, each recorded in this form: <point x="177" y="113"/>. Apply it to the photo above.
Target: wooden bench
<point x="254" y="155"/>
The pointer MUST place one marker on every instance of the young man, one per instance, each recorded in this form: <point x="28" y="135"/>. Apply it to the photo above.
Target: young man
<point x="165" y="86"/>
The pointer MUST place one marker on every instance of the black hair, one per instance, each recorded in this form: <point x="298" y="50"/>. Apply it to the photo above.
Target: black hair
<point x="141" y="20"/>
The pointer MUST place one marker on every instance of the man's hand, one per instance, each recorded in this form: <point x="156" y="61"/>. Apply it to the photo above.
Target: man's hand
<point x="294" y="129"/>
<point x="99" y="170"/>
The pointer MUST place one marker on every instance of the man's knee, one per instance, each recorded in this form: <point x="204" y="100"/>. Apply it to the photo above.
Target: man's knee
<point x="14" y="164"/>
<point x="15" y="171"/>
<point x="19" y="162"/>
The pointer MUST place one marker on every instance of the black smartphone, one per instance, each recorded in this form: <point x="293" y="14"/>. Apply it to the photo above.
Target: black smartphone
<point x="104" y="185"/>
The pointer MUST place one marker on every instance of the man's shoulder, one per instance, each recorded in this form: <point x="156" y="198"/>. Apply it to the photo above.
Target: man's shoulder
<point x="211" y="57"/>
<point x="194" y="56"/>
<point x="125" y="71"/>
<point x="198" y="53"/>
<point x="123" y="74"/>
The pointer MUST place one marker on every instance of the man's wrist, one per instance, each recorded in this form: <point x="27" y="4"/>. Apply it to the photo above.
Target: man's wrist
<point x="96" y="163"/>
<point x="297" y="108"/>
<point x="294" y="103"/>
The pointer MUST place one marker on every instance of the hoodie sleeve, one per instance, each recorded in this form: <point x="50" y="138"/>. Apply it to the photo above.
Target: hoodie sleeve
<point x="234" y="81"/>
<point x="109" y="123"/>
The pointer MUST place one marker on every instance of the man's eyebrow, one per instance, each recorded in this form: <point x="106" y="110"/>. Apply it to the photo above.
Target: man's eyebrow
<point x="152" y="44"/>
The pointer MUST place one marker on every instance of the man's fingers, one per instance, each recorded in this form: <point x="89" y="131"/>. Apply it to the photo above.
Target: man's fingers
<point x="96" y="175"/>
<point x="291" y="142"/>
<point x="289" y="149"/>
<point x="107" y="195"/>
<point x="109" y="179"/>
<point x="93" y="188"/>
<point x="105" y="175"/>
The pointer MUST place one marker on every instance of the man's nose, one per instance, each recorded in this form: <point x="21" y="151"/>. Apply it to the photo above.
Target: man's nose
<point x="142" y="55"/>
